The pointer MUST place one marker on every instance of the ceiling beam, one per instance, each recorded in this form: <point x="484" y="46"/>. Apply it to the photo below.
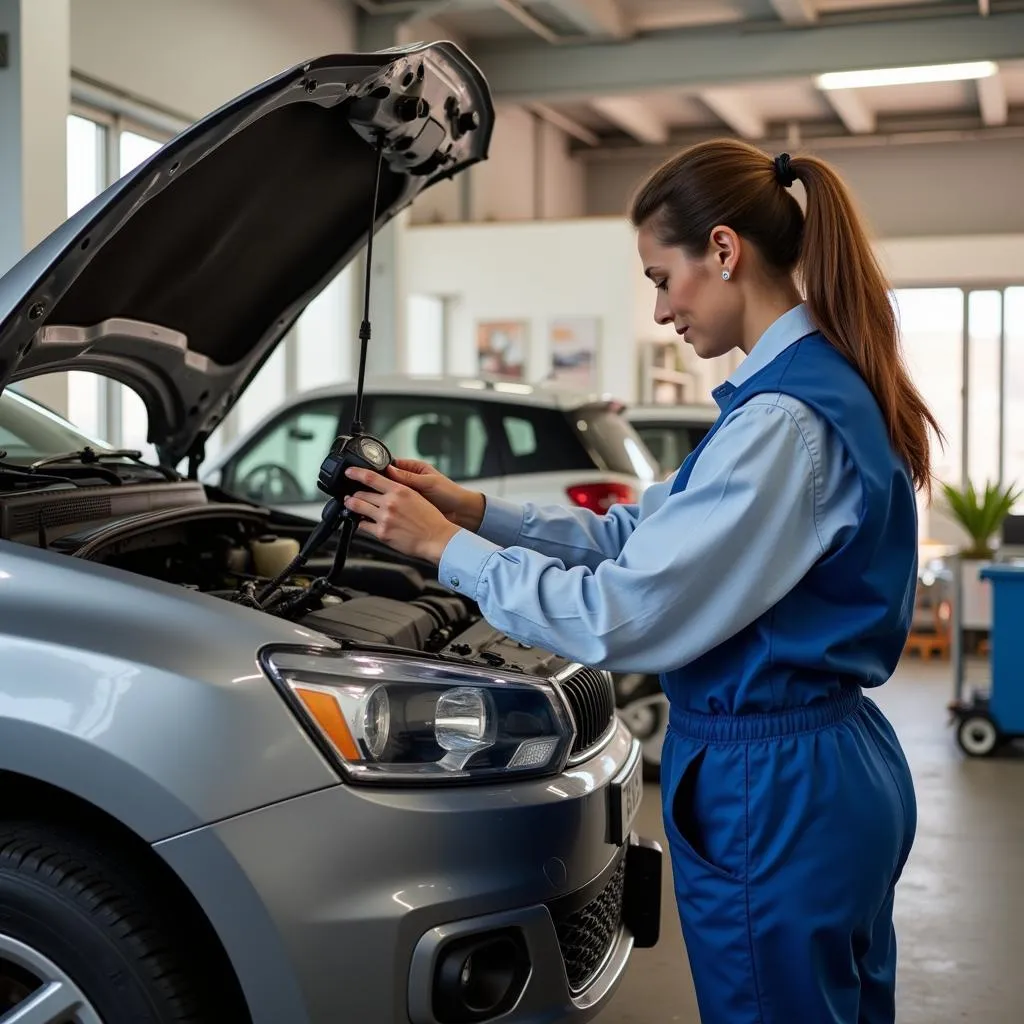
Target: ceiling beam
<point x="855" y="114"/>
<point x="796" y="12"/>
<point x="415" y="30"/>
<point x="696" y="59"/>
<point x="992" y="99"/>
<point x="734" y="108"/>
<point x="602" y="18"/>
<point x="566" y="124"/>
<point x="633" y="117"/>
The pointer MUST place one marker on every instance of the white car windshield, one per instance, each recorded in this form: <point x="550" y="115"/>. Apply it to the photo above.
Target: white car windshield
<point x="29" y="431"/>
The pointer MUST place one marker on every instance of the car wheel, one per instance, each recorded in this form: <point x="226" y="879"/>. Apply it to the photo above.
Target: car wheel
<point x="647" y="719"/>
<point x="84" y="940"/>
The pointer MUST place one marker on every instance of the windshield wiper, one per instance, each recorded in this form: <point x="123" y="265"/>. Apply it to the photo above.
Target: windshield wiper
<point x="88" y="456"/>
<point x="29" y="475"/>
<point x="91" y="457"/>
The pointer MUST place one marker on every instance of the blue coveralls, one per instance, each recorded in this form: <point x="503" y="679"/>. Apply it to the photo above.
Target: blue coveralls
<point x="788" y="804"/>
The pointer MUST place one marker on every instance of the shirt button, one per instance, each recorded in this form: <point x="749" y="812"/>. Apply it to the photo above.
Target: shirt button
<point x="455" y="582"/>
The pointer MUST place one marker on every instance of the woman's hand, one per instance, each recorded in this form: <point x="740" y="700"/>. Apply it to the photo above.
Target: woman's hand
<point x="458" y="504"/>
<point x="400" y="517"/>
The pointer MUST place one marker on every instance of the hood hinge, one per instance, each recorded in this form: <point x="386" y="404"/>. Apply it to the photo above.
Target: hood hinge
<point x="196" y="455"/>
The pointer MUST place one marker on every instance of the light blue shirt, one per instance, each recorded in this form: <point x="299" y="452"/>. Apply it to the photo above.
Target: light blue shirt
<point x="650" y="587"/>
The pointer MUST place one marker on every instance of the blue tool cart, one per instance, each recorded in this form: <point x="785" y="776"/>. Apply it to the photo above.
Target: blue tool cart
<point x="988" y="718"/>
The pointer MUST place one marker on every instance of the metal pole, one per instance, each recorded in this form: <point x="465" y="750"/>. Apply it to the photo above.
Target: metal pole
<point x="965" y="350"/>
<point x="957" y="628"/>
<point x="1002" y="382"/>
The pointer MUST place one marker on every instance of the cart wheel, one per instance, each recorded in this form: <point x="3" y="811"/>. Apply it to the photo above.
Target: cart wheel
<point x="977" y="735"/>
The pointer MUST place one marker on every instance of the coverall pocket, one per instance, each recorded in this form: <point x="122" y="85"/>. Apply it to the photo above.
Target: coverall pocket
<point x="703" y="810"/>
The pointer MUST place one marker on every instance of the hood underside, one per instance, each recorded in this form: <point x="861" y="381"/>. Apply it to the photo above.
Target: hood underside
<point x="181" y="278"/>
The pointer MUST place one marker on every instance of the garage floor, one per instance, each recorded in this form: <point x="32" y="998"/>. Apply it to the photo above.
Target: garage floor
<point x="960" y="907"/>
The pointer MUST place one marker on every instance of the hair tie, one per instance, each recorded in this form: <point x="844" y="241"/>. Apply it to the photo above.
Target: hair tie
<point x="784" y="173"/>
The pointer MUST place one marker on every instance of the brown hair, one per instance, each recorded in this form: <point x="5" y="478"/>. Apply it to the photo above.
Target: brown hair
<point x="732" y="183"/>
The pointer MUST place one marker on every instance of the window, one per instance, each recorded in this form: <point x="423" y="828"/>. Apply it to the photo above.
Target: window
<point x="932" y="326"/>
<point x="984" y="334"/>
<point x="615" y="443"/>
<point x="325" y="336"/>
<point x="670" y="443"/>
<point x="1013" y="390"/>
<point x="450" y="434"/>
<point x="281" y="465"/>
<point x="133" y="148"/>
<point x="98" y="405"/>
<point x="87" y="176"/>
<point x="522" y="438"/>
<point x="29" y="431"/>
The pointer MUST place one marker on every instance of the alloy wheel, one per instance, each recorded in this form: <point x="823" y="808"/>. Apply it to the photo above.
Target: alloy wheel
<point x="34" y="990"/>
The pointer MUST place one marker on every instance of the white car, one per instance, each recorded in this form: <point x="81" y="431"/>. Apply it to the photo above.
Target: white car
<point x="671" y="432"/>
<point x="517" y="441"/>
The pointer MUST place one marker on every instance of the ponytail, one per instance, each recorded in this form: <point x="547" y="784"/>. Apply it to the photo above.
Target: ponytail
<point x="847" y="296"/>
<point x="730" y="182"/>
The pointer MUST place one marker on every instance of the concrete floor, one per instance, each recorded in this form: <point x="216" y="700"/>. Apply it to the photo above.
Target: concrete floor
<point x="959" y="907"/>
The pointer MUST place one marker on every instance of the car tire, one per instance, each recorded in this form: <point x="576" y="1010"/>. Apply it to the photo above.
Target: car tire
<point x="89" y="932"/>
<point x="645" y="712"/>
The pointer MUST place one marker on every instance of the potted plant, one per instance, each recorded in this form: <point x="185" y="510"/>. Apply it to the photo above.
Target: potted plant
<point x="980" y="515"/>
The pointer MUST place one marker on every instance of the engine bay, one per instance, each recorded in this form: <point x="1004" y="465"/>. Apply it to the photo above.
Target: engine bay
<point x="230" y="551"/>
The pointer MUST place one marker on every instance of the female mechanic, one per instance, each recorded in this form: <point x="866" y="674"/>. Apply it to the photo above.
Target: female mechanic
<point x="770" y="582"/>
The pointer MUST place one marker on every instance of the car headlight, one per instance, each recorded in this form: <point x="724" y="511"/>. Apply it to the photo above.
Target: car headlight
<point x="390" y="718"/>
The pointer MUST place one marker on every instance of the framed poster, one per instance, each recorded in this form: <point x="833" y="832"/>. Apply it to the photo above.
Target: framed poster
<point x="501" y="347"/>
<point x="574" y="341"/>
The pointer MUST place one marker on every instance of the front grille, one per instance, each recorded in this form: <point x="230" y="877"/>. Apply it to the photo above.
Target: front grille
<point x="591" y="697"/>
<point x="586" y="936"/>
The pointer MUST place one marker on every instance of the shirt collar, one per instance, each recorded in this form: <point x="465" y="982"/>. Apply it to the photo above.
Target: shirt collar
<point x="788" y="329"/>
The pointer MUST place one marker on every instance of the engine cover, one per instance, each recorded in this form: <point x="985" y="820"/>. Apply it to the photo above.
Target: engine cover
<point x="481" y="644"/>
<point x="376" y="620"/>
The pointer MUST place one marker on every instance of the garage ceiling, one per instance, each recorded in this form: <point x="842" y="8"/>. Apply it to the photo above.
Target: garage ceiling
<point x="617" y="74"/>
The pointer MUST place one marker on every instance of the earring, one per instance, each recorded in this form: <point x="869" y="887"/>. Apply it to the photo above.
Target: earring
<point x="726" y="275"/>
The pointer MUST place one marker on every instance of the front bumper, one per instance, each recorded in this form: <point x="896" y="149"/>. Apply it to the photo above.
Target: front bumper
<point x="352" y="902"/>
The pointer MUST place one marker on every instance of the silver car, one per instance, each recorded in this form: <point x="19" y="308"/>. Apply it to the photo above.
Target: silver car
<point x="351" y="803"/>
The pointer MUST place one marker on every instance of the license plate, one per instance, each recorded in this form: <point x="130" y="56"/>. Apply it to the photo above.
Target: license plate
<point x="626" y="791"/>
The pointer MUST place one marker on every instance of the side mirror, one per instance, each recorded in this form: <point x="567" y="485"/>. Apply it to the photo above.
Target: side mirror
<point x="298" y="434"/>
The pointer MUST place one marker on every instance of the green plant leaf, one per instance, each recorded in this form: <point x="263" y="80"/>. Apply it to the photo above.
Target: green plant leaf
<point x="980" y="513"/>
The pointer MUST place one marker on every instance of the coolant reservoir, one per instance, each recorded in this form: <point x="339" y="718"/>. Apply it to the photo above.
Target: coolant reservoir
<point x="271" y="554"/>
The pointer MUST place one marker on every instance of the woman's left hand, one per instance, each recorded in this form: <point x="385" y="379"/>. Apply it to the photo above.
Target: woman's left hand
<point x="400" y="517"/>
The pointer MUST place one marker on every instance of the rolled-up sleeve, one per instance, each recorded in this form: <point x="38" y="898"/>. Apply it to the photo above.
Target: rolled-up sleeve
<point x="705" y="563"/>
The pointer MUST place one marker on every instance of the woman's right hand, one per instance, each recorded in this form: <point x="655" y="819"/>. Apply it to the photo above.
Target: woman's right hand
<point x="459" y="505"/>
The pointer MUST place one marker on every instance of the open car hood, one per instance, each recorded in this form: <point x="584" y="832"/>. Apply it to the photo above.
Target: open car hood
<point x="181" y="278"/>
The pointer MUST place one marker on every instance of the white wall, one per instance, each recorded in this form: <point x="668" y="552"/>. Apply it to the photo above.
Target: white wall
<point x="589" y="267"/>
<point x="189" y="56"/>
<point x="504" y="186"/>
<point x="535" y="272"/>
<point x="905" y="191"/>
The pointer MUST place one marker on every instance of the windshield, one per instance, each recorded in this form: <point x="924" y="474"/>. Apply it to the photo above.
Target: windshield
<point x="611" y="436"/>
<point x="29" y="431"/>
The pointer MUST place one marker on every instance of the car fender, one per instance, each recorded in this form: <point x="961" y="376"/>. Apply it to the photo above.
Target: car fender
<point x="144" y="699"/>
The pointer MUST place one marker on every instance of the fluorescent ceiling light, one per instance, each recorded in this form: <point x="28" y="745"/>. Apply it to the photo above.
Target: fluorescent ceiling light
<point x="906" y="76"/>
